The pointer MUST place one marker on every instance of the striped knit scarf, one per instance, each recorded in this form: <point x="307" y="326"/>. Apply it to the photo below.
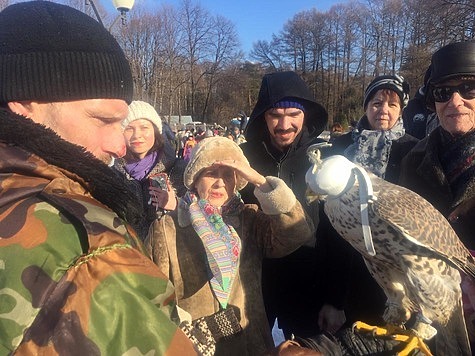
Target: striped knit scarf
<point x="221" y="242"/>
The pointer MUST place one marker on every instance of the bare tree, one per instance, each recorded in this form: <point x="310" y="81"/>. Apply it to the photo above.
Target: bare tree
<point x="223" y="52"/>
<point x="187" y="62"/>
<point x="268" y="53"/>
<point x="196" y="27"/>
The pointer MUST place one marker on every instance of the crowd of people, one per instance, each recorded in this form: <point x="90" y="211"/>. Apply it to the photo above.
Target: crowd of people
<point x="118" y="236"/>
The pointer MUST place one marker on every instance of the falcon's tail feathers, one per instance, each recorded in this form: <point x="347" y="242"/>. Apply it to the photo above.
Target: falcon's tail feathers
<point x="452" y="339"/>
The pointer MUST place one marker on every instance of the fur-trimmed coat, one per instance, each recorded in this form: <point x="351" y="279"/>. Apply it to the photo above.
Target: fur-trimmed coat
<point x="178" y="251"/>
<point x="73" y="276"/>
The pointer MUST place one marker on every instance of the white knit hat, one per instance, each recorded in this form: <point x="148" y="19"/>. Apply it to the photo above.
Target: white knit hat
<point x="210" y="150"/>
<point x="142" y="110"/>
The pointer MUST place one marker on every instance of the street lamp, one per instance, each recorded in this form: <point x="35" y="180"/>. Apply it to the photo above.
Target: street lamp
<point x="123" y="6"/>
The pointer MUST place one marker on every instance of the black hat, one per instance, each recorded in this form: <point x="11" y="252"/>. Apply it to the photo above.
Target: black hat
<point x="395" y="83"/>
<point x="452" y="61"/>
<point x="51" y="52"/>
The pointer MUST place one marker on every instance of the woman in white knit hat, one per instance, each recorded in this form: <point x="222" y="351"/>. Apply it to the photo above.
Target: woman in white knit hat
<point x="212" y="245"/>
<point x="155" y="173"/>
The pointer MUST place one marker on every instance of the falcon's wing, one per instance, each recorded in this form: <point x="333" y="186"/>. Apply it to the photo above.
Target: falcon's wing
<point x="418" y="221"/>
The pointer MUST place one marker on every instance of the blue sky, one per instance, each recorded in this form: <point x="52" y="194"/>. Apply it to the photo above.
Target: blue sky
<point x="254" y="19"/>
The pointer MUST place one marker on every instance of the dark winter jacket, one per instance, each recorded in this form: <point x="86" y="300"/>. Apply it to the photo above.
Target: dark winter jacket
<point x="422" y="172"/>
<point x="291" y="165"/>
<point x="415" y="116"/>
<point x="291" y="285"/>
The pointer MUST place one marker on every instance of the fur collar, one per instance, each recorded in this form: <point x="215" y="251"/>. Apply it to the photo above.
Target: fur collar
<point x="104" y="184"/>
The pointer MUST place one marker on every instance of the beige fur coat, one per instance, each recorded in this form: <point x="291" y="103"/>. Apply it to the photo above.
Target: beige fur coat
<point x="276" y="231"/>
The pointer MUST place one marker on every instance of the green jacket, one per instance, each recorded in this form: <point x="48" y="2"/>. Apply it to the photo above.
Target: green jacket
<point x="73" y="279"/>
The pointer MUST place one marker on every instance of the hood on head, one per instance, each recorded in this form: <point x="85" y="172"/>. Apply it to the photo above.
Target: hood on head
<point x="274" y="88"/>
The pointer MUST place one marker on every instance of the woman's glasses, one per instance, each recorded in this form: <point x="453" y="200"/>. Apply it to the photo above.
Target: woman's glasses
<point x="443" y="94"/>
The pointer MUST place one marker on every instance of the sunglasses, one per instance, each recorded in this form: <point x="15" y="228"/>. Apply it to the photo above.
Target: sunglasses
<point x="443" y="94"/>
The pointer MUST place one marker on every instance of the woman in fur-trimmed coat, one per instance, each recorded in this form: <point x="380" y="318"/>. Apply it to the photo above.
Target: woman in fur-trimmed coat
<point x="212" y="246"/>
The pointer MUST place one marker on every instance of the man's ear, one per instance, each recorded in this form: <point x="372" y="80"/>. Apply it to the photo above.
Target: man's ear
<point x="21" y="108"/>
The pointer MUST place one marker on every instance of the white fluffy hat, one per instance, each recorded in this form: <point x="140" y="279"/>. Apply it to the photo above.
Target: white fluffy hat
<point x="142" y="110"/>
<point x="210" y="150"/>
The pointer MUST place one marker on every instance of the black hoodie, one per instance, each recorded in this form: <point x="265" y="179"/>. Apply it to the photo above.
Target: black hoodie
<point x="265" y="158"/>
<point x="293" y="285"/>
<point x="280" y="85"/>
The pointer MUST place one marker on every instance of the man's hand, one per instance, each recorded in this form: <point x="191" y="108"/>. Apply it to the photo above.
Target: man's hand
<point x="331" y="319"/>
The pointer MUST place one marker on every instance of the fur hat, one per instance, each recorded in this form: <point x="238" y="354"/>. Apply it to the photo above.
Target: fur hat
<point x="51" y="52"/>
<point x="396" y="83"/>
<point x="142" y="110"/>
<point x="210" y="150"/>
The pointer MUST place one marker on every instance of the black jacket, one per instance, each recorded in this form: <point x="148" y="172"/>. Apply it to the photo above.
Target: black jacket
<point x="422" y="172"/>
<point x="291" y="165"/>
<point x="415" y="116"/>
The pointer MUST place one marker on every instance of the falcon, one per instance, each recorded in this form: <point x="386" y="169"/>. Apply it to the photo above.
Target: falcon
<point x="409" y="248"/>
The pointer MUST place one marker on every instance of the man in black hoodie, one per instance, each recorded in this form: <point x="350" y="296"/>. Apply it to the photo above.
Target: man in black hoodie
<point x="284" y="123"/>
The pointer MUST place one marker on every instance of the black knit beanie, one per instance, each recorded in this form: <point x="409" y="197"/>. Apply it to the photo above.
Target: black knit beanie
<point x="51" y="52"/>
<point x="395" y="83"/>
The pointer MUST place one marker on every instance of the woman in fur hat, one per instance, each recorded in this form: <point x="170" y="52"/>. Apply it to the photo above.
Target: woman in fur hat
<point x="150" y="163"/>
<point x="212" y="246"/>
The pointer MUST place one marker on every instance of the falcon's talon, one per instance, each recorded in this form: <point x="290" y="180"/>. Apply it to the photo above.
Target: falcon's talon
<point x="397" y="333"/>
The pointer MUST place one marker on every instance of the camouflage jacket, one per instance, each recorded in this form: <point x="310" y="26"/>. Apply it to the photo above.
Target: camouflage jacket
<point x="73" y="280"/>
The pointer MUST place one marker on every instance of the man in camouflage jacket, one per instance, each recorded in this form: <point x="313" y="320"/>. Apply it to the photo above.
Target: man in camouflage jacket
<point x="73" y="279"/>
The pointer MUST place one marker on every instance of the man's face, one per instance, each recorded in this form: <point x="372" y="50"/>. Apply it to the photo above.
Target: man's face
<point x="457" y="114"/>
<point x="284" y="125"/>
<point x="94" y="124"/>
